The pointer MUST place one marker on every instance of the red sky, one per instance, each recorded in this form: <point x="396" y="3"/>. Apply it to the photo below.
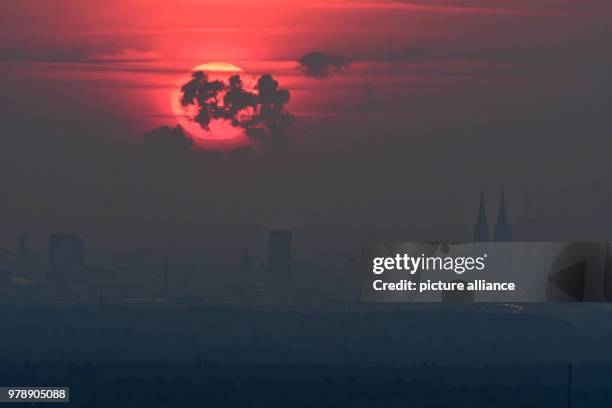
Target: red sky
<point x="129" y="53"/>
<point x="456" y="86"/>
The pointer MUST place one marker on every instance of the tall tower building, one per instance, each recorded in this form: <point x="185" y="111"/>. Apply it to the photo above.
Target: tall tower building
<point x="481" y="228"/>
<point x="503" y="231"/>
<point x="279" y="259"/>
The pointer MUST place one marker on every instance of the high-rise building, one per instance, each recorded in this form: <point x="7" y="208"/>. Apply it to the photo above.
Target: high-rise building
<point x="481" y="228"/>
<point x="66" y="256"/>
<point x="503" y="231"/>
<point x="279" y="259"/>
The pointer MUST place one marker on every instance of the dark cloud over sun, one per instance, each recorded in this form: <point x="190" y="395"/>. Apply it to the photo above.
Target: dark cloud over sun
<point x="259" y="112"/>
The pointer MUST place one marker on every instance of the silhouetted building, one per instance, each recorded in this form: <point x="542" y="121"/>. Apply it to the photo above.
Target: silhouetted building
<point x="481" y="228"/>
<point x="503" y="231"/>
<point x="279" y="258"/>
<point x="66" y="256"/>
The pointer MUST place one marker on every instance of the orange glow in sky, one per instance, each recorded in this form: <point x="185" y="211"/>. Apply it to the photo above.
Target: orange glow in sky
<point x="220" y="131"/>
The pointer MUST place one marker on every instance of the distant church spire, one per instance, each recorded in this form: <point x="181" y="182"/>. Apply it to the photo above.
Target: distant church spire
<point x="481" y="228"/>
<point x="503" y="231"/>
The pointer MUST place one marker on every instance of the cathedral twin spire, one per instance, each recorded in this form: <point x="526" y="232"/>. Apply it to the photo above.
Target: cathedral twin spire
<point x="503" y="231"/>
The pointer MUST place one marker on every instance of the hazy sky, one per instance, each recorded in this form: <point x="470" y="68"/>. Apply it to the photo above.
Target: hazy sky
<point x="442" y="99"/>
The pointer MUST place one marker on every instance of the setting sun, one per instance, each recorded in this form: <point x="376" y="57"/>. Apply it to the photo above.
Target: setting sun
<point x="219" y="130"/>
